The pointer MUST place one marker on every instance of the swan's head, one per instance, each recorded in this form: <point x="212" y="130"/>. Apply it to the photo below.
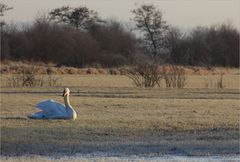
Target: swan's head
<point x="66" y="92"/>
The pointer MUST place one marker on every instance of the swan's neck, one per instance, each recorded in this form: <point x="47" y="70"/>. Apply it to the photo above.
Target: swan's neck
<point x="67" y="102"/>
<point x="69" y="108"/>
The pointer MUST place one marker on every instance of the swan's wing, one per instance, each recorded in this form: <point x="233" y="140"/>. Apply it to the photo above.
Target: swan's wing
<point x="51" y="107"/>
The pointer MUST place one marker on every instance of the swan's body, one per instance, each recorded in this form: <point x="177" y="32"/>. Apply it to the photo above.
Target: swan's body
<point x="54" y="110"/>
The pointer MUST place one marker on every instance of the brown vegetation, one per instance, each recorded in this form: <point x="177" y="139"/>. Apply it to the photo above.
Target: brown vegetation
<point x="11" y="67"/>
<point x="174" y="77"/>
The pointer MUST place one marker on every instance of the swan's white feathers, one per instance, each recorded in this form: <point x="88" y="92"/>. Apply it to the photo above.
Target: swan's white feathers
<point x="51" y="107"/>
<point x="54" y="110"/>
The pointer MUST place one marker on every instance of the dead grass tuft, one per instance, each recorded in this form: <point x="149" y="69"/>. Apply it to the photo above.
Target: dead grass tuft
<point x="114" y="71"/>
<point x="92" y="71"/>
<point x="102" y="71"/>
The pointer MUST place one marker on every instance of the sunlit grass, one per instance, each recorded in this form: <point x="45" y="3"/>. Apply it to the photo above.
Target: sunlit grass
<point x="125" y="120"/>
<point x="230" y="81"/>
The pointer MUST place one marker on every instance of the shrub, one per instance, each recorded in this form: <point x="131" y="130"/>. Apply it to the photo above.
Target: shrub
<point x="145" y="74"/>
<point x="174" y="76"/>
<point x="220" y="82"/>
<point x="30" y="78"/>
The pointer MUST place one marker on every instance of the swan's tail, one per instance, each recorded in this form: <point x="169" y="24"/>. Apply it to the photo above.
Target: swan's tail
<point x="38" y="115"/>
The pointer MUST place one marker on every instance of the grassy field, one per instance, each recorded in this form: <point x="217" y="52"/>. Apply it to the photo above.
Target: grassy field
<point x="117" y="118"/>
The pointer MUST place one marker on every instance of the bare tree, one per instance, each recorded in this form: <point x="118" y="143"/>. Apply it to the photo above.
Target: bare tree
<point x="217" y="45"/>
<point x="149" y="21"/>
<point x="174" y="40"/>
<point x="80" y="17"/>
<point x="3" y="8"/>
<point x="117" y="48"/>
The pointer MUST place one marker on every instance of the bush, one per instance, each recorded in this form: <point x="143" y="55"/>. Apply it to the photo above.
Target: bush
<point x="174" y="76"/>
<point x="61" y="44"/>
<point x="220" y="84"/>
<point x="145" y="74"/>
<point x="30" y="78"/>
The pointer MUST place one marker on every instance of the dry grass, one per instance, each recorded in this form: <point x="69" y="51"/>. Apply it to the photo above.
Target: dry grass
<point x="12" y="67"/>
<point x="117" y="118"/>
<point x="122" y="120"/>
<point x="230" y="81"/>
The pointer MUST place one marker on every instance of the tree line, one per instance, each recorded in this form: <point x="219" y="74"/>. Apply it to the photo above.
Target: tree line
<point x="217" y="45"/>
<point x="80" y="37"/>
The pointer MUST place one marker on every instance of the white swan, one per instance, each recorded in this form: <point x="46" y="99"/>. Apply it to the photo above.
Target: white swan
<point x="54" y="110"/>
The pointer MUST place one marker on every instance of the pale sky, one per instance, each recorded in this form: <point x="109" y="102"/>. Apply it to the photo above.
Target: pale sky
<point x="182" y="13"/>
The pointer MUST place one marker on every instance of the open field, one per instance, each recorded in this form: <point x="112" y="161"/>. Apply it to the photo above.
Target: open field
<point x="119" y="119"/>
<point x="230" y="81"/>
